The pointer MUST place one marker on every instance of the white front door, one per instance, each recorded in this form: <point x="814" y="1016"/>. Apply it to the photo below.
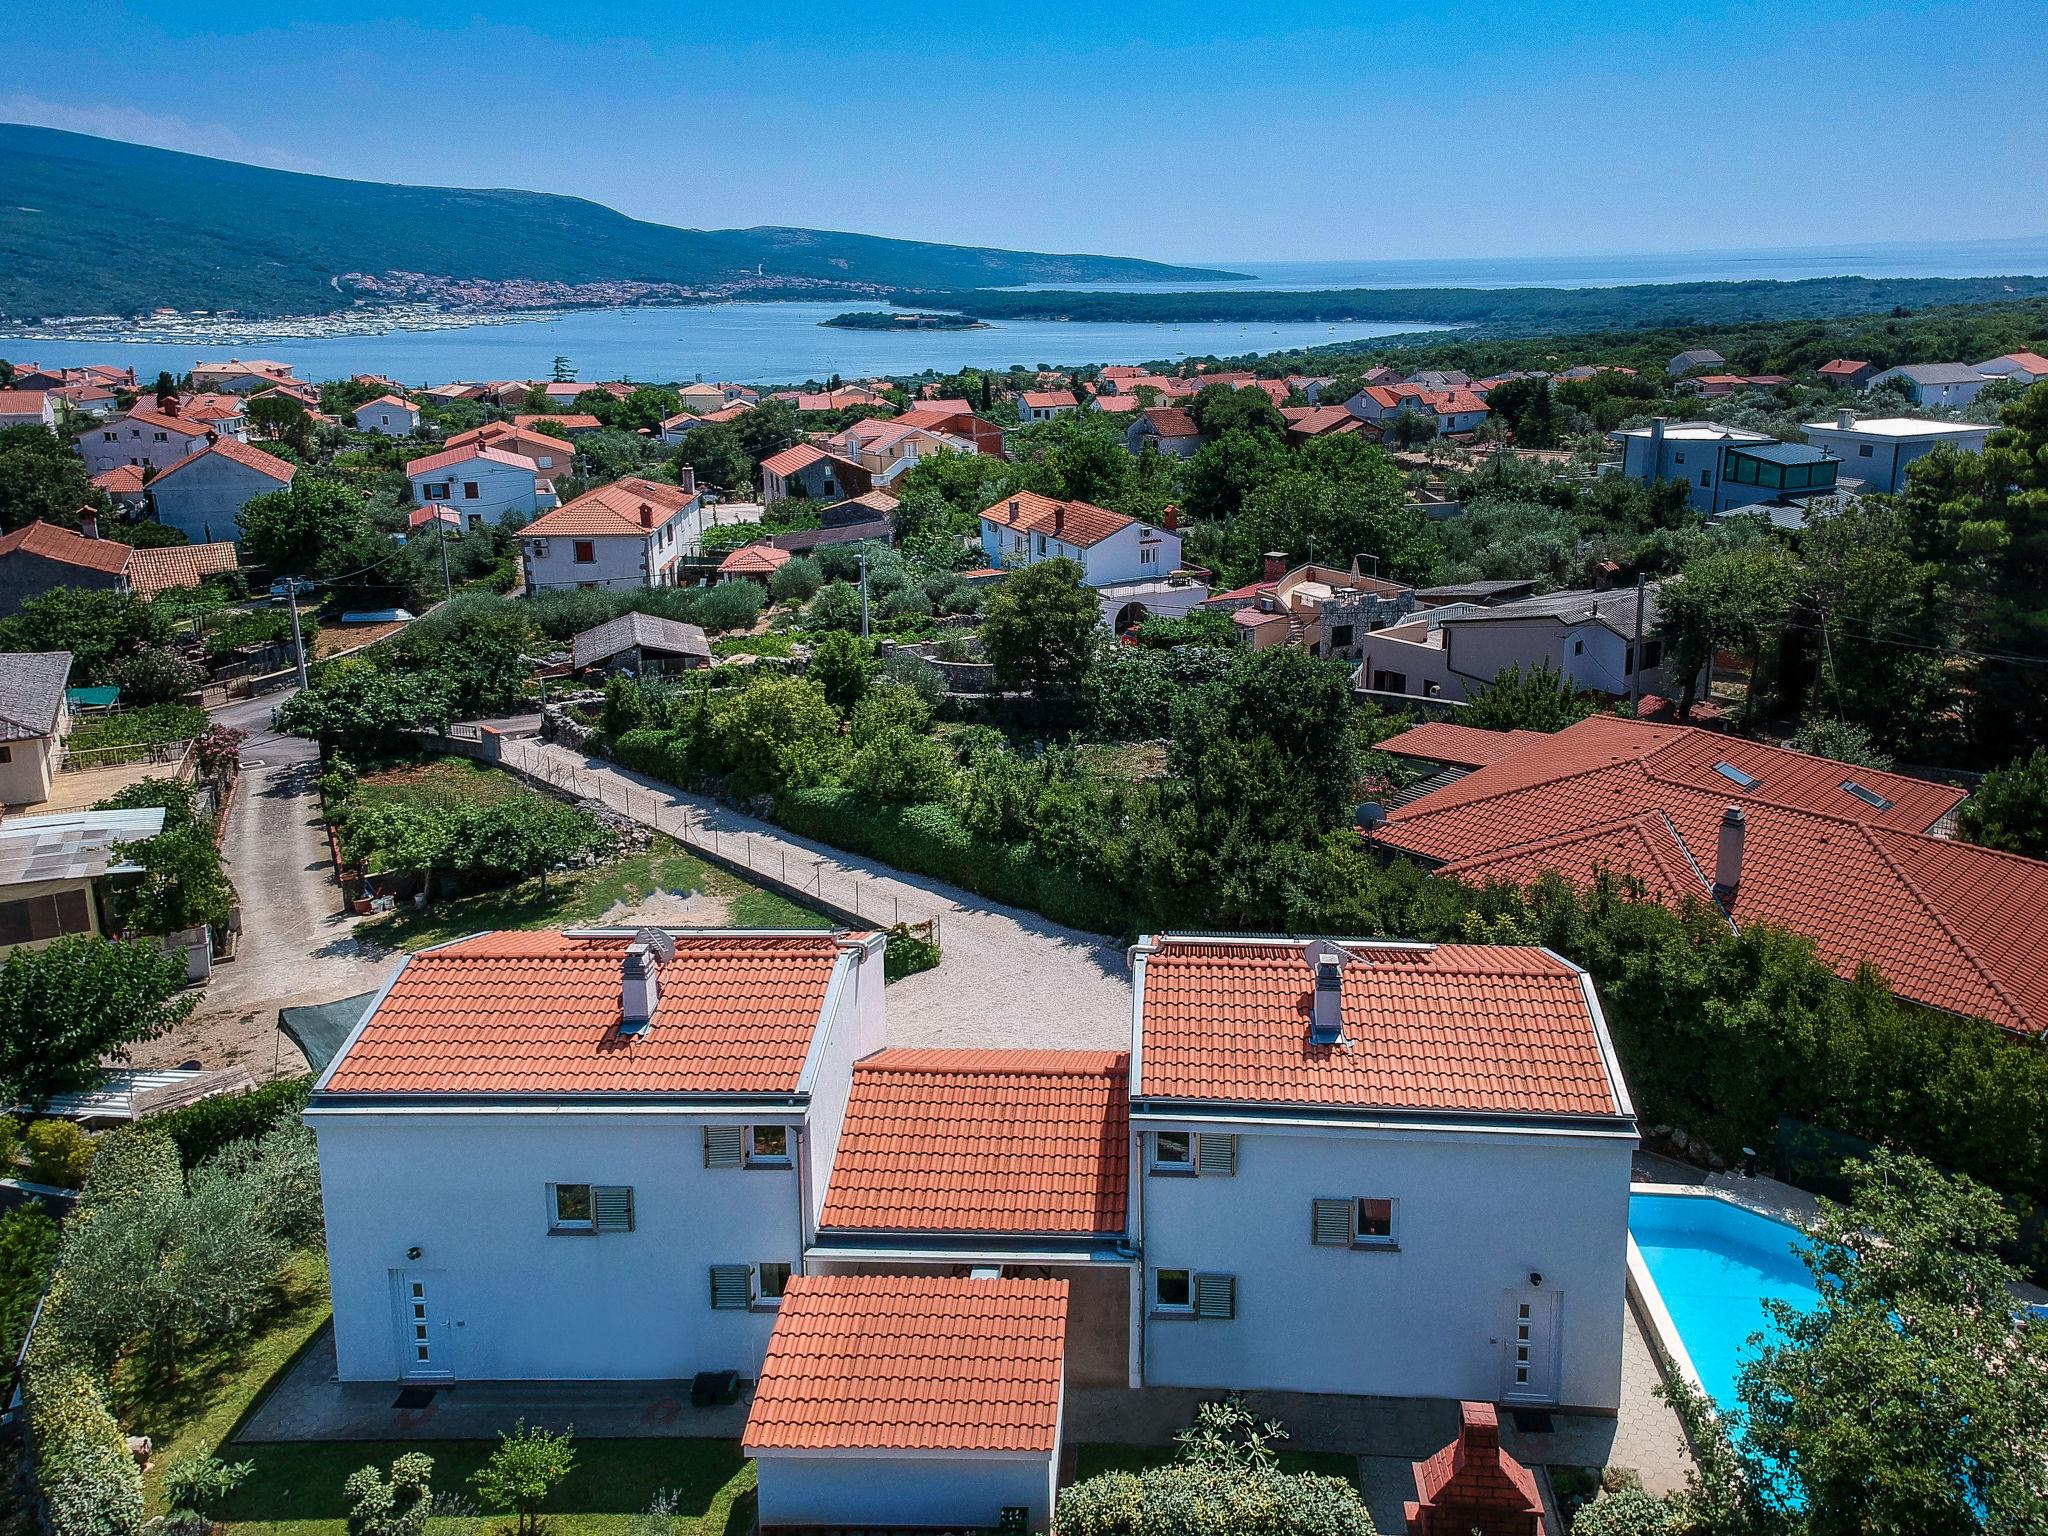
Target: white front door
<point x="423" y="1334"/>
<point x="1531" y="1365"/>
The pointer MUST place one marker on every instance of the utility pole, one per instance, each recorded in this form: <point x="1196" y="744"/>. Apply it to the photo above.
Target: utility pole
<point x="441" y="538"/>
<point x="1635" y="653"/>
<point x="863" y="595"/>
<point x="298" y="641"/>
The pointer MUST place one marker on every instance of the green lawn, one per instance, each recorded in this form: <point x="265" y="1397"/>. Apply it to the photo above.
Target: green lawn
<point x="440" y="784"/>
<point x="295" y="1489"/>
<point x="585" y="895"/>
<point x="1091" y="1460"/>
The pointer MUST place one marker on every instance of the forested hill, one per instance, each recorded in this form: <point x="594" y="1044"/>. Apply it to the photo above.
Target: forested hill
<point x="97" y="226"/>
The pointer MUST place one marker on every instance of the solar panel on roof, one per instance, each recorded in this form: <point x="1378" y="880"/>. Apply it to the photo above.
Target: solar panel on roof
<point x="1868" y="796"/>
<point x="1730" y="771"/>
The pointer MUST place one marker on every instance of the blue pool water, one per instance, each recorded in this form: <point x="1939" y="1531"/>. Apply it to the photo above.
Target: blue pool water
<point x="1716" y="1264"/>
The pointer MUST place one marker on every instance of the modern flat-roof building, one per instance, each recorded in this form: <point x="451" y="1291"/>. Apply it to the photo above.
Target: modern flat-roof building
<point x="1878" y="450"/>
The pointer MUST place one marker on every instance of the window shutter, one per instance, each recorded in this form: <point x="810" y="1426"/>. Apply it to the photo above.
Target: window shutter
<point x="1216" y="1296"/>
<point x="721" y="1146"/>
<point x="732" y="1287"/>
<point x="1216" y="1156"/>
<point x="1331" y="1224"/>
<point x="613" y="1206"/>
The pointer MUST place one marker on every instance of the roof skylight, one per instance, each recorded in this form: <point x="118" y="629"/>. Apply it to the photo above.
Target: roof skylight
<point x="1730" y="771"/>
<point x="1869" y="797"/>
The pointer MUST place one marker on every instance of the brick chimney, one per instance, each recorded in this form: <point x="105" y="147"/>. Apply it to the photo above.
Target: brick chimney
<point x="646" y="515"/>
<point x="1059" y="519"/>
<point x="1276" y="564"/>
<point x="1014" y="506"/>
<point x="1473" y="1486"/>
<point x="1728" y="854"/>
<point x="1171" y="518"/>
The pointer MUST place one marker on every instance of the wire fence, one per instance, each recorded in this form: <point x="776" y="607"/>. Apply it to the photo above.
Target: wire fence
<point x="864" y="898"/>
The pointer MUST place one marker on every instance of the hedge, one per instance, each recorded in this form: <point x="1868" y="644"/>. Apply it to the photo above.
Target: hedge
<point x="202" y="1129"/>
<point x="28" y="1248"/>
<point x="931" y="840"/>
<point x="87" y="1477"/>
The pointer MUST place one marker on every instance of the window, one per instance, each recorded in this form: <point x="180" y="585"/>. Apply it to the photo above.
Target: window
<point x="1736" y="776"/>
<point x="1340" y="636"/>
<point x="1366" y="1222"/>
<point x="1173" y="1291"/>
<point x="469" y="492"/>
<point x="161" y="437"/>
<point x="1706" y="477"/>
<point x="1653" y="652"/>
<point x="1678" y="458"/>
<point x="1869" y="797"/>
<point x="6" y="754"/>
<point x="722" y="1146"/>
<point x="774" y="1281"/>
<point x="768" y="1146"/>
<point x="586" y="552"/>
<point x="1578" y="647"/>
<point x="569" y="1208"/>
<point x="732" y="1287"/>
<point x="1375" y="1223"/>
<point x="44" y="917"/>
<point x="109" y="437"/>
<point x="1148" y="556"/>
<point x="1173" y="1152"/>
<point x="435" y="492"/>
<point x="1863" y="450"/>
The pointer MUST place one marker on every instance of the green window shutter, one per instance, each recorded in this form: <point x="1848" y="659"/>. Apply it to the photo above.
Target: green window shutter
<point x="613" y="1204"/>
<point x="721" y="1146"/>
<point x="1216" y="1156"/>
<point x="1216" y="1296"/>
<point x="732" y="1287"/>
<point x="1331" y="1223"/>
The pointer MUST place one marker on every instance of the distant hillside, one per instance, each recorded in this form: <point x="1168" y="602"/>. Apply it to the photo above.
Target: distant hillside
<point x="96" y="226"/>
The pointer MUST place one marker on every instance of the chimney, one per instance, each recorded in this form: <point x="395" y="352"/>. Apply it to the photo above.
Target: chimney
<point x="1479" y="1434"/>
<point x="1656" y="446"/>
<point x="646" y="515"/>
<point x="640" y="989"/>
<point x="1172" y="518"/>
<point x="88" y="523"/>
<point x="1728" y="857"/>
<point x="1276" y="564"/>
<point x="1845" y="418"/>
<point x="1059" y="519"/>
<point x="1326" y="1021"/>
<point x="1013" y="509"/>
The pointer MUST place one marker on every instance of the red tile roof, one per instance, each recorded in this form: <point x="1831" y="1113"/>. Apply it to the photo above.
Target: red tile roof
<point x="1949" y="925"/>
<point x="1172" y="421"/>
<point x="568" y="421"/>
<point x="449" y="457"/>
<point x="121" y="480"/>
<point x="611" y="510"/>
<point x="1049" y="399"/>
<point x="1843" y="365"/>
<point x="914" y="1363"/>
<point x="539" y="1013"/>
<point x="234" y="449"/>
<point x="1078" y="523"/>
<point x="510" y="439"/>
<point x="1316" y="420"/>
<point x="1466" y="746"/>
<point x="984" y="1141"/>
<point x="2033" y="362"/>
<point x="1117" y="405"/>
<point x="49" y="542"/>
<point x="753" y="560"/>
<point x="150" y="416"/>
<point x="403" y="405"/>
<point x="151" y="571"/>
<point x="1455" y="1027"/>
<point x="24" y="402"/>
<point x="796" y="457"/>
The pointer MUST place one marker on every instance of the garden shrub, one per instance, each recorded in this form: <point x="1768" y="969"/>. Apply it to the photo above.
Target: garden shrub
<point x="1190" y="1499"/>
<point x="88" y="1479"/>
<point x="130" y="1163"/>
<point x="59" y="1153"/>
<point x="1625" y="1512"/>
<point x="202" y="1129"/>
<point x="28" y="1247"/>
<point x="199" y="1483"/>
<point x="906" y="953"/>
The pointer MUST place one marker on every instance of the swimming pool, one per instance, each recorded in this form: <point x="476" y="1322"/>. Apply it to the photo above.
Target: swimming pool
<point x="1715" y="1264"/>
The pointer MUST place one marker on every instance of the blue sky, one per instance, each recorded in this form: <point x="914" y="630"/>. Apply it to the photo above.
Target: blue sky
<point x="1197" y="131"/>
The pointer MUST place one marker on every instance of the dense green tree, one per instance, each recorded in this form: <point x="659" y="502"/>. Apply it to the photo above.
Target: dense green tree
<point x="2010" y="808"/>
<point x="767" y="429"/>
<point x="281" y="419"/>
<point x="356" y="703"/>
<point x="1225" y="470"/>
<point x="1733" y="601"/>
<point x="778" y="732"/>
<point x="1218" y="409"/>
<point x="312" y="528"/>
<point x="181" y="884"/>
<point x="843" y="665"/>
<point x="1543" y="700"/>
<point x="796" y="580"/>
<point x="1038" y="631"/>
<point x="42" y="479"/>
<point x="1843" y="740"/>
<point x="1336" y="510"/>
<point x="525" y="1468"/>
<point x="98" y="626"/>
<point x="718" y="456"/>
<point x="68" y="1004"/>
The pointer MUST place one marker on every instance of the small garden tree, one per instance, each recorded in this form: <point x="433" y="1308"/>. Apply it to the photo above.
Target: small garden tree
<point x="1541" y="701"/>
<point x="2010" y="808"/>
<point x="65" y="1006"/>
<point x="524" y="1470"/>
<point x="843" y="665"/>
<point x="1038" y="631"/>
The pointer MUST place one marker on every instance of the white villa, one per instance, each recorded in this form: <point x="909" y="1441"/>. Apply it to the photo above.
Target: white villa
<point x="1878" y="449"/>
<point x="483" y="482"/>
<point x="623" y="535"/>
<point x="387" y="414"/>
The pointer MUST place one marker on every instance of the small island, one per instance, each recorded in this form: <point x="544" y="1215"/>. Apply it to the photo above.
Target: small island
<point x="892" y="320"/>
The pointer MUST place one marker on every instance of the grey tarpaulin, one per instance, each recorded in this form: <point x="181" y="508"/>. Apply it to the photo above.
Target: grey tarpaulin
<point x="319" y="1030"/>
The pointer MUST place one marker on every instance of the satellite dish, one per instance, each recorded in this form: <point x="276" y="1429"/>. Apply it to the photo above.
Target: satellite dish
<point x="1369" y="815"/>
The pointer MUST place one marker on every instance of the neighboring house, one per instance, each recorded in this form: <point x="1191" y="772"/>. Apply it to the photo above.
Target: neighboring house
<point x="144" y="436"/>
<point x="640" y="643"/>
<point x="43" y="557"/>
<point x="753" y="562"/>
<point x="1877" y="451"/>
<point x="1950" y="385"/>
<point x="810" y="472"/>
<point x="624" y="535"/>
<point x="238" y="377"/>
<point x="226" y="414"/>
<point x="124" y="484"/>
<point x="953" y="419"/>
<point x="575" y="423"/>
<point x="175" y="566"/>
<point x="701" y="398"/>
<point x="886" y="449"/>
<point x="871" y="515"/>
<point x="894" y="1403"/>
<point x="1115" y="405"/>
<point x="1454" y="410"/>
<point x="1695" y="357"/>
<point x="484" y="483"/>
<point x="1109" y="547"/>
<point x="1456" y="652"/>
<point x="1725" y="468"/>
<point x="33" y="720"/>
<point x="1851" y="857"/>
<point x="551" y="455"/>
<point x="85" y="399"/>
<point x="54" y="871"/>
<point x="201" y="494"/>
<point x="1170" y="427"/>
<point x="1045" y="404"/>
<point x="1393" y="1169"/>
<point x="613" y="1148"/>
<point x="1441" y="379"/>
<point x="27" y="408"/>
<point x="387" y="414"/>
<point x="1308" y="422"/>
<point x="2020" y="367"/>
<point x="1846" y="372"/>
<point x="1322" y="609"/>
<point x="432" y="522"/>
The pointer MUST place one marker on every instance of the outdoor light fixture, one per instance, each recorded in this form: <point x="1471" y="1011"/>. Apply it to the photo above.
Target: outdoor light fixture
<point x="1535" y="1276"/>
<point x="412" y="1253"/>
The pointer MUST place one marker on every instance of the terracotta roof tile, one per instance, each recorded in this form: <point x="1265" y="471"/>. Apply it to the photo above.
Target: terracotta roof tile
<point x="1468" y="746"/>
<point x="754" y="560"/>
<point x="49" y="542"/>
<point x="121" y="480"/>
<point x="984" y="1141"/>
<point x="234" y="449"/>
<point x="1049" y="399"/>
<point x="1455" y="1027"/>
<point x="1172" y="421"/>
<point x="450" y="457"/>
<point x="792" y="459"/>
<point x="611" y="509"/>
<point x="912" y="1362"/>
<point x="1072" y="522"/>
<point x="151" y="571"/>
<point x="539" y="1013"/>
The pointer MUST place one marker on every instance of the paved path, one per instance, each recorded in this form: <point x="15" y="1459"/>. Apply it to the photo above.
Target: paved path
<point x="1009" y="977"/>
<point x="297" y="945"/>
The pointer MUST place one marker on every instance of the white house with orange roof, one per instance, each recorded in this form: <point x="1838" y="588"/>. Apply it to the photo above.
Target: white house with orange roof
<point x="202" y="494"/>
<point x="238" y="377"/>
<point x="586" y="1156"/>
<point x="483" y="482"/>
<point x="1046" y="404"/>
<point x="388" y="414"/>
<point x="1109" y="547"/>
<point x="144" y="435"/>
<point x="1380" y="1168"/>
<point x="809" y="470"/>
<point x="27" y="408"/>
<point x="621" y="536"/>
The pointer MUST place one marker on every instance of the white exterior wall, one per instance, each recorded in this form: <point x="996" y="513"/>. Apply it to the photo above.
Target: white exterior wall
<point x="904" y="1489"/>
<point x="387" y="419"/>
<point x="111" y="444"/>
<point x="1880" y="460"/>
<point x="1591" y="656"/>
<point x="201" y="499"/>
<point x="1118" y="558"/>
<point x="860" y="1027"/>
<point x="510" y="1300"/>
<point x="501" y="488"/>
<point x="621" y="561"/>
<point x="1478" y="1213"/>
<point x="1952" y="396"/>
<point x="1417" y="658"/>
